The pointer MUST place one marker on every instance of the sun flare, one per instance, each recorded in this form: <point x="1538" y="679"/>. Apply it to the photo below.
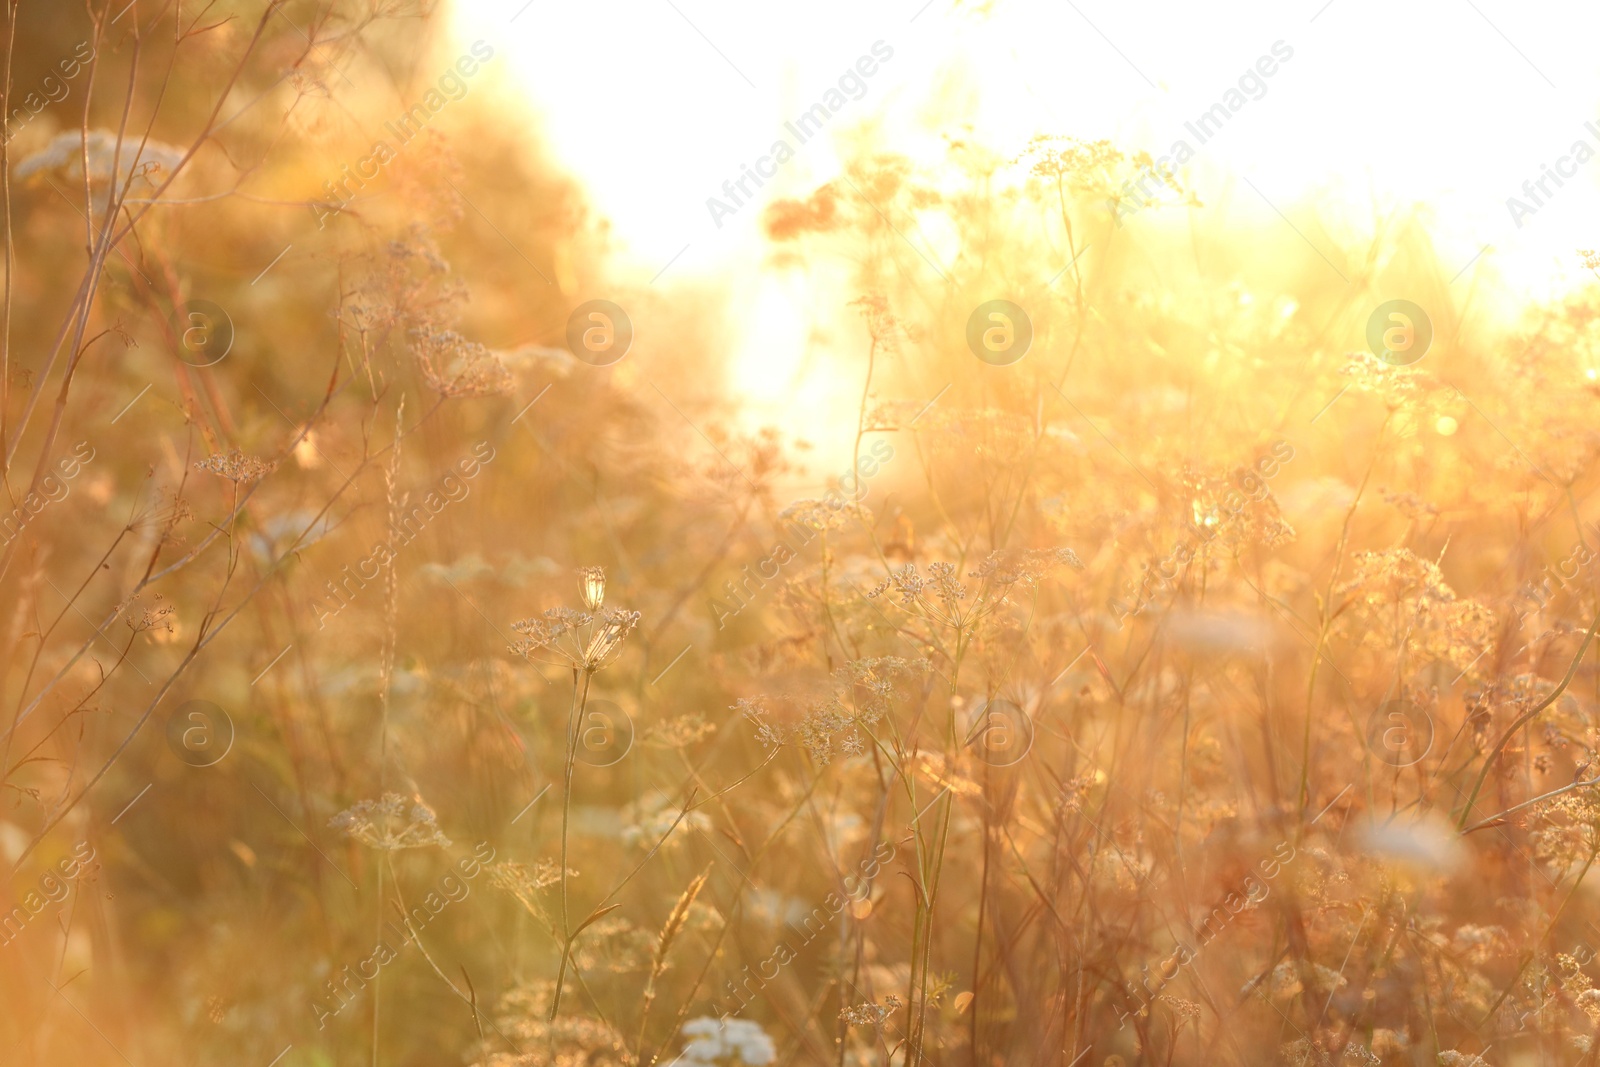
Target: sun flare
<point x="955" y="533"/>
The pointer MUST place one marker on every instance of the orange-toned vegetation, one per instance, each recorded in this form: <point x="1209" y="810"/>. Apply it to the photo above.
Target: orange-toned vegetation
<point x="395" y="688"/>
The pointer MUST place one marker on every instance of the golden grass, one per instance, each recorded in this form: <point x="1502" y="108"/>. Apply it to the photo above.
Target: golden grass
<point x="1198" y="689"/>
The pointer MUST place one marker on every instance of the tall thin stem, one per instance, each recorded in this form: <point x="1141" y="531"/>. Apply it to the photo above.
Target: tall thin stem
<point x="580" y="700"/>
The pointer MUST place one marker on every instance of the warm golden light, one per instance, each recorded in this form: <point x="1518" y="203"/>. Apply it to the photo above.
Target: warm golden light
<point x="972" y="533"/>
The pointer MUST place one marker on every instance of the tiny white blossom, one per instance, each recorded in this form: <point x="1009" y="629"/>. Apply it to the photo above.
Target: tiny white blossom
<point x="726" y="1042"/>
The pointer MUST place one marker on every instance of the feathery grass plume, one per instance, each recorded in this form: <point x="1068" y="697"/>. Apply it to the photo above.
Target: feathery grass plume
<point x="677" y="918"/>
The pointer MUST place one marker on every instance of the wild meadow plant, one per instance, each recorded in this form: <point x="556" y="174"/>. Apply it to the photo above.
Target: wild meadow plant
<point x="811" y="848"/>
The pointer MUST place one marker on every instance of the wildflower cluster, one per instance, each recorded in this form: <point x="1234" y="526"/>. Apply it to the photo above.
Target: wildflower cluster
<point x="236" y="466"/>
<point x="148" y="163"/>
<point x="726" y="1043"/>
<point x="582" y="640"/>
<point x="523" y="1022"/>
<point x="869" y="1014"/>
<point x="941" y="598"/>
<point x="156" y="617"/>
<point x="391" y="823"/>
<point x="1436" y="622"/>
<point x="840" y="721"/>
<point x="457" y="368"/>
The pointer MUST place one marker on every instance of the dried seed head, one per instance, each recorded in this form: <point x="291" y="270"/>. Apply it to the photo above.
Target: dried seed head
<point x="391" y="823"/>
<point x="236" y="466"/>
<point x="594" y="587"/>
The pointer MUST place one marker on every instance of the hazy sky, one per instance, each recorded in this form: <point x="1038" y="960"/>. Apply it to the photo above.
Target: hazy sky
<point x="1453" y="103"/>
<point x="1450" y="105"/>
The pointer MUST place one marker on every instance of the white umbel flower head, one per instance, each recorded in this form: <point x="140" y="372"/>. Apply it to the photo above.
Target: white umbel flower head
<point x="147" y="161"/>
<point x="726" y="1043"/>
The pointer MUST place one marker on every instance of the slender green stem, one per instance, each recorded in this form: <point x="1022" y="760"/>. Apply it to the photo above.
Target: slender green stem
<point x="580" y="700"/>
<point x="1325" y="620"/>
<point x="1524" y="719"/>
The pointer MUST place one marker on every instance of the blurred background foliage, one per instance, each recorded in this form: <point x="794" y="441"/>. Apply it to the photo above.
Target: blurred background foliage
<point x="1185" y="719"/>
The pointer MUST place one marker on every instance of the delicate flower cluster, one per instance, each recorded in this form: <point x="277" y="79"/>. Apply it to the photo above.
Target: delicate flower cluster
<point x="941" y="599"/>
<point x="815" y="514"/>
<point x="822" y="724"/>
<point x="1437" y="623"/>
<point x="647" y="821"/>
<point x="1397" y="387"/>
<point x="1511" y="695"/>
<point x="66" y="151"/>
<point x="157" y="617"/>
<point x="882" y="325"/>
<point x="391" y="823"/>
<point x="839" y="721"/>
<point x="1185" y="1010"/>
<point x="582" y="640"/>
<point x="679" y="732"/>
<point x="755" y="709"/>
<point x="520" y="878"/>
<point x="456" y="367"/>
<point x="1236" y="510"/>
<point x="872" y="685"/>
<point x="914" y="590"/>
<point x="236" y="466"/>
<point x="1075" y="791"/>
<point x="1026" y="567"/>
<point x="408" y="286"/>
<point x="725" y="1043"/>
<point x="1085" y="166"/>
<point x="1478" y="944"/>
<point x="869" y="1014"/>
<point x="572" y="1040"/>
